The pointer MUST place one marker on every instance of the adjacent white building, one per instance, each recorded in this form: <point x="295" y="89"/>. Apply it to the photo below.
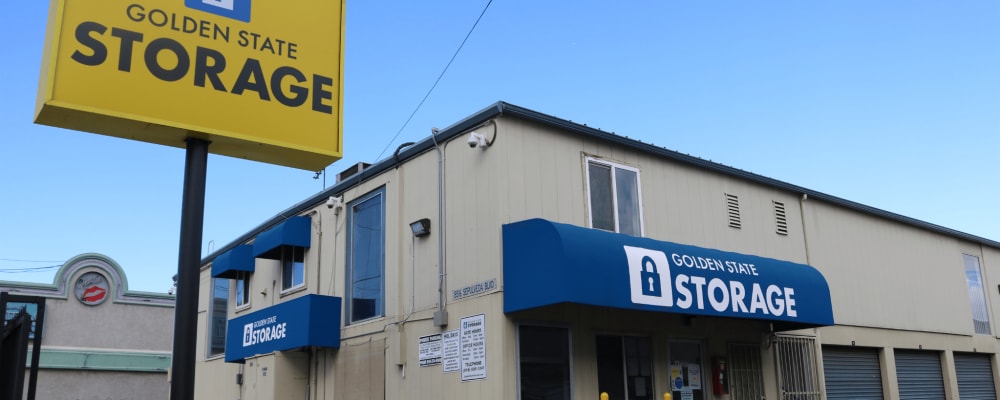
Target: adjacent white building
<point x="515" y="255"/>
<point x="100" y="340"/>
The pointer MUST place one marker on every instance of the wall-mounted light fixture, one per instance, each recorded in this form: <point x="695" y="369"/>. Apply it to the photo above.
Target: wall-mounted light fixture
<point x="421" y="227"/>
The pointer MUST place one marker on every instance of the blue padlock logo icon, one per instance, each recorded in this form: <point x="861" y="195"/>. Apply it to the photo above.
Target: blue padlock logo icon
<point x="650" y="278"/>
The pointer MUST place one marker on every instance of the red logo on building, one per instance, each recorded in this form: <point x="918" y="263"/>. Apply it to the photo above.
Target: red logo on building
<point x="91" y="288"/>
<point x="93" y="294"/>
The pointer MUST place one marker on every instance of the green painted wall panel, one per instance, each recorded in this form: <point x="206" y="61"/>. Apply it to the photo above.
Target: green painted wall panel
<point x="103" y="360"/>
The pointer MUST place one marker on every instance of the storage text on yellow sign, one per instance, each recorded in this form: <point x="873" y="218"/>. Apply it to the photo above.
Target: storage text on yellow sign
<point x="261" y="80"/>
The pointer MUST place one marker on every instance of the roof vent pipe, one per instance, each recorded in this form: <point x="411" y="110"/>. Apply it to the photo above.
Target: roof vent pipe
<point x="395" y="155"/>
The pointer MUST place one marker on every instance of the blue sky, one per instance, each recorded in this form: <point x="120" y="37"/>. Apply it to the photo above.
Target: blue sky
<point x="893" y="104"/>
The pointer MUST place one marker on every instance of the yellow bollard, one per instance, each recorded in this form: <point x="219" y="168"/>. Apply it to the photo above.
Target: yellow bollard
<point x="604" y="395"/>
<point x="666" y="396"/>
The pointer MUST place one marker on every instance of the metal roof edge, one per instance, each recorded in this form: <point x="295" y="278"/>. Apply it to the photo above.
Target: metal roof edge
<point x="503" y="108"/>
<point x="425" y="145"/>
<point x="738" y="173"/>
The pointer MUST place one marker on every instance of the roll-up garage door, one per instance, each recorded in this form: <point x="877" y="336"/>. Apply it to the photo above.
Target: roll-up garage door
<point x="919" y="375"/>
<point x="975" y="376"/>
<point x="852" y="373"/>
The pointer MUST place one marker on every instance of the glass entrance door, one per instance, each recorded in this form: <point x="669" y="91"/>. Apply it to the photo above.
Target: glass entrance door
<point x="544" y="363"/>
<point x="687" y="377"/>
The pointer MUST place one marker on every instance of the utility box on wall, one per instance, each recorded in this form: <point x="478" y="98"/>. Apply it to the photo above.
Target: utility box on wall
<point x="277" y="376"/>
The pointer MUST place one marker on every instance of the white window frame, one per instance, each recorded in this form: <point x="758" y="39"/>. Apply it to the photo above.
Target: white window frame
<point x="209" y="354"/>
<point x="242" y="303"/>
<point x="379" y="193"/>
<point x="293" y="288"/>
<point x="982" y="297"/>
<point x="614" y="192"/>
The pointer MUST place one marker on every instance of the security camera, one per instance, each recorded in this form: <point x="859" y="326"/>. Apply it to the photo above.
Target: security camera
<point x="476" y="140"/>
<point x="334" y="202"/>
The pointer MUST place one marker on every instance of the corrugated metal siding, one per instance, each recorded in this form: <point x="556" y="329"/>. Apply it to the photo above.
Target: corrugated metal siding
<point x="975" y="377"/>
<point x="852" y="373"/>
<point x="919" y="375"/>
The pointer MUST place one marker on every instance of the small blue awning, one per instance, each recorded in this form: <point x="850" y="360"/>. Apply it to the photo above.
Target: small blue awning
<point x="309" y="321"/>
<point x="547" y="263"/>
<point x="294" y="232"/>
<point x="228" y="265"/>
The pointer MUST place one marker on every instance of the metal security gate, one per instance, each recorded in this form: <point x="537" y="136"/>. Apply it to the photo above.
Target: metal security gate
<point x="796" y="359"/>
<point x="975" y="376"/>
<point x="919" y="375"/>
<point x="746" y="381"/>
<point x="13" y="355"/>
<point x="13" y="306"/>
<point x="852" y="373"/>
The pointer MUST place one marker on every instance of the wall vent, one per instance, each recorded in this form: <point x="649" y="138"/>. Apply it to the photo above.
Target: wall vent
<point x="733" y="206"/>
<point x="780" y="220"/>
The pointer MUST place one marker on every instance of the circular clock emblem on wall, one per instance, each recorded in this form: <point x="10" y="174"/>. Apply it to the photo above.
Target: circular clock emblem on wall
<point x="91" y="288"/>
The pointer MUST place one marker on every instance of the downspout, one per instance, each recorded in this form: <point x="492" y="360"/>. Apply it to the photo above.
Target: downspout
<point x="313" y="362"/>
<point x="805" y="235"/>
<point x="310" y="384"/>
<point x="413" y="243"/>
<point x="441" y="315"/>
<point x="319" y="251"/>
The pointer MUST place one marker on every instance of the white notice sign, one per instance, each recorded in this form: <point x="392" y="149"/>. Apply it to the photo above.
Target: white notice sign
<point x="473" y="337"/>
<point x="430" y="350"/>
<point x="694" y="376"/>
<point x="451" y="354"/>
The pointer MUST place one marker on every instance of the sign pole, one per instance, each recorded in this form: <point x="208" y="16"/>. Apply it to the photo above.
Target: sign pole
<point x="188" y="271"/>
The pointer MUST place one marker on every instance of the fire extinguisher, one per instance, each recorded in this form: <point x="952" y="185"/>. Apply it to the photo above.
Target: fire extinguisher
<point x="720" y="376"/>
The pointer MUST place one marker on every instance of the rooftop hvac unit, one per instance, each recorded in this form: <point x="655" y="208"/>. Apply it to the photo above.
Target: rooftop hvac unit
<point x="352" y="170"/>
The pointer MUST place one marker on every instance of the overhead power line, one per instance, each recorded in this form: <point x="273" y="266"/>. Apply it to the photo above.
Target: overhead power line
<point x="28" y="269"/>
<point x="435" y="81"/>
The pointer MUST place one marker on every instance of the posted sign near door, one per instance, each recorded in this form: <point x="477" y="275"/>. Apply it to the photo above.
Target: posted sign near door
<point x="456" y="350"/>
<point x="685" y="378"/>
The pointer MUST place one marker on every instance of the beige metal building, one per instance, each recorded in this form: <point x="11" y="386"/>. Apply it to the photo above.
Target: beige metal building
<point x="100" y="340"/>
<point x="515" y="255"/>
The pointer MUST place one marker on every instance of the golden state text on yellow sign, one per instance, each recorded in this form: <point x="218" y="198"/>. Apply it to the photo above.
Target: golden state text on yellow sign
<point x="260" y="79"/>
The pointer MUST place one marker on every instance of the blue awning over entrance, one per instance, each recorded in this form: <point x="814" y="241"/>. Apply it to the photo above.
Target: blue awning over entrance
<point x="310" y="320"/>
<point x="547" y="263"/>
<point x="228" y="265"/>
<point x="294" y="232"/>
